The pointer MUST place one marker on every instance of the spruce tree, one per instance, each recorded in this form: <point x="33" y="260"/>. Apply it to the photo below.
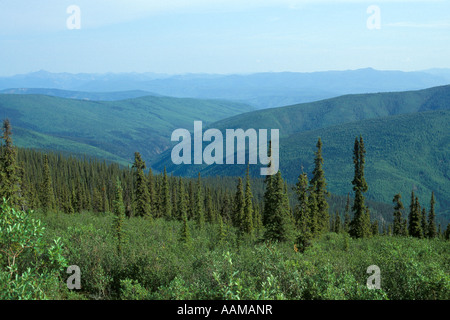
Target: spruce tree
<point x="142" y="199"/>
<point x="185" y="235"/>
<point x="280" y="225"/>
<point x="238" y="205"/>
<point x="337" y="223"/>
<point x="10" y="184"/>
<point x="247" y="221"/>
<point x="210" y="212"/>
<point x="199" y="210"/>
<point x="166" y="203"/>
<point x="47" y="196"/>
<point x="431" y="218"/>
<point x="360" y="225"/>
<point x="319" y="182"/>
<point x="222" y="234"/>
<point x="424" y="223"/>
<point x="347" y="218"/>
<point x="119" y="216"/>
<point x="415" y="223"/>
<point x="302" y="213"/>
<point x="398" y="220"/>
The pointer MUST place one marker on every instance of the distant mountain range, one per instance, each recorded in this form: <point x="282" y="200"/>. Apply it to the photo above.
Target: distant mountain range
<point x="82" y="95"/>
<point x="261" y="90"/>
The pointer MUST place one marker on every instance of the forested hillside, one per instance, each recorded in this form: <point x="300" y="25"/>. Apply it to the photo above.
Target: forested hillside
<point x="112" y="130"/>
<point x="136" y="235"/>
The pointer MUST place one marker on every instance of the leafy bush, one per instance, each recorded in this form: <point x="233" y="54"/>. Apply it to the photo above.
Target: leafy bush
<point x="30" y="268"/>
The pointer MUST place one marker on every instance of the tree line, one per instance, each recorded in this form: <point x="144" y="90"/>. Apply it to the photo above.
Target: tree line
<point x="36" y="180"/>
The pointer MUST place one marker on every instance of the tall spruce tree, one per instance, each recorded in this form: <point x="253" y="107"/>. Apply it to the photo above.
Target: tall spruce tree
<point x="347" y="218"/>
<point x="47" y="196"/>
<point x="185" y="234"/>
<point x="119" y="216"/>
<point x="10" y="184"/>
<point x="280" y="225"/>
<point x="431" y="218"/>
<point x="142" y="199"/>
<point x="166" y="199"/>
<point x="415" y="221"/>
<point x="239" y="205"/>
<point x="247" y="221"/>
<point x="320" y="189"/>
<point x="398" y="220"/>
<point x="199" y="210"/>
<point x="360" y="226"/>
<point x="424" y="223"/>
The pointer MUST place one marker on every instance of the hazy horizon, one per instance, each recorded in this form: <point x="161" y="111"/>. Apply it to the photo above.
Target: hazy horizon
<point x="223" y="37"/>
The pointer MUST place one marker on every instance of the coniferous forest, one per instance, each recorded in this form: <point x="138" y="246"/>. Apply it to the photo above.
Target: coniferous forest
<point x="135" y="234"/>
<point x="216" y="158"/>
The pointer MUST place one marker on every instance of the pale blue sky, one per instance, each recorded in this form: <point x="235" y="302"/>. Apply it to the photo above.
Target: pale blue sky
<point x="224" y="36"/>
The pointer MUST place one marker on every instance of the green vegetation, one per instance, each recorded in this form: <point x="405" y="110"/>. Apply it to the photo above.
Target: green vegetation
<point x="154" y="265"/>
<point x="111" y="130"/>
<point x="404" y="152"/>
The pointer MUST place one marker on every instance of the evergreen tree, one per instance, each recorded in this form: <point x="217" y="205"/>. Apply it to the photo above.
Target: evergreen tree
<point x="360" y="225"/>
<point x="222" y="234"/>
<point x="239" y="205"/>
<point x="185" y="235"/>
<point x="447" y="232"/>
<point x="47" y="196"/>
<point x="105" y="202"/>
<point x="119" y="216"/>
<point x="279" y="225"/>
<point x="319" y="182"/>
<point x="210" y="212"/>
<point x="247" y="221"/>
<point x="398" y="220"/>
<point x="415" y="224"/>
<point x="431" y="218"/>
<point x="181" y="207"/>
<point x="424" y="223"/>
<point x="152" y="193"/>
<point x="142" y="196"/>
<point x="166" y="203"/>
<point x="9" y="171"/>
<point x="374" y="228"/>
<point x="302" y="213"/>
<point x="337" y="223"/>
<point x="199" y="211"/>
<point x="347" y="218"/>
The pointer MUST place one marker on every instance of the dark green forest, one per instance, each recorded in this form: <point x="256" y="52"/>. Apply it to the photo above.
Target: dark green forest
<point x="139" y="235"/>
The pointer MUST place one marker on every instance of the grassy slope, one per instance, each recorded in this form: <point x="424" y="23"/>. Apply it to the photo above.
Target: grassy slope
<point x="115" y="127"/>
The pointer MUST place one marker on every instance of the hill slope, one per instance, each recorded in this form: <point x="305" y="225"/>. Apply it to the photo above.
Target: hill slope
<point x="404" y="152"/>
<point x="344" y="109"/>
<point x="80" y="95"/>
<point x="113" y="127"/>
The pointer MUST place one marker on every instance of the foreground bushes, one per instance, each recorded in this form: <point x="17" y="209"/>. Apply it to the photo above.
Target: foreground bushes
<point x="154" y="264"/>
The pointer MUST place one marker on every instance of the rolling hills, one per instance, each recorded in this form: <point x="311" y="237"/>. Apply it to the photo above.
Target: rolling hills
<point x="261" y="90"/>
<point x="113" y="130"/>
<point x="407" y="140"/>
<point x="81" y="95"/>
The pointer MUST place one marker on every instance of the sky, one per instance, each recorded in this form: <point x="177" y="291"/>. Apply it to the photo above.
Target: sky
<point x="222" y="36"/>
